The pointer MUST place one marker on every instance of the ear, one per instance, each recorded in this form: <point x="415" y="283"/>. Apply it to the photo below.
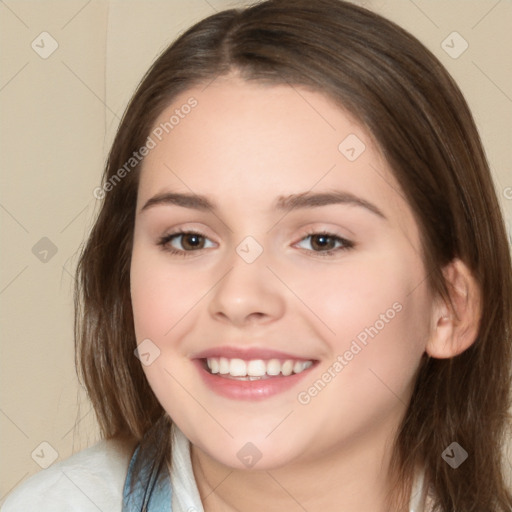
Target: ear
<point x="455" y="326"/>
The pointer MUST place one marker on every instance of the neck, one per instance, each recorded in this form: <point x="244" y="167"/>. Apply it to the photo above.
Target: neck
<point x="352" y="477"/>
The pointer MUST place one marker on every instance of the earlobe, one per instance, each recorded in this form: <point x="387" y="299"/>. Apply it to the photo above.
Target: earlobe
<point x="455" y="322"/>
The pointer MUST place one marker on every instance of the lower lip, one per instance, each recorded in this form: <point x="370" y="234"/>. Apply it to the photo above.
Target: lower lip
<point x="249" y="389"/>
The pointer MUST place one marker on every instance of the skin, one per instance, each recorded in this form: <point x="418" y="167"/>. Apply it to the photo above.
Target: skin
<point x="244" y="145"/>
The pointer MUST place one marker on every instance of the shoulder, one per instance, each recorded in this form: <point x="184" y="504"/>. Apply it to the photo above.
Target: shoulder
<point x="89" y="480"/>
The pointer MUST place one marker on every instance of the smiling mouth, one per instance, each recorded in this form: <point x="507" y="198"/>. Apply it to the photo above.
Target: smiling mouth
<point x="254" y="369"/>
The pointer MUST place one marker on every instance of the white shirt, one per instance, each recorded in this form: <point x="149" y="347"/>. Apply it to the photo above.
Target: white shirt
<point x="92" y="480"/>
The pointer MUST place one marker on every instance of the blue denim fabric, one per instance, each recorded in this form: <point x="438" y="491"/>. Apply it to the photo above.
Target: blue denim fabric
<point x="136" y="501"/>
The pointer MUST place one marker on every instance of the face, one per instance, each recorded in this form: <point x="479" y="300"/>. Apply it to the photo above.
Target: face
<point x="276" y="277"/>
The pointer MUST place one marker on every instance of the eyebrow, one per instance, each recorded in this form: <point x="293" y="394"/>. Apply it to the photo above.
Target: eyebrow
<point x="192" y="201"/>
<point x="312" y="200"/>
<point x="283" y="203"/>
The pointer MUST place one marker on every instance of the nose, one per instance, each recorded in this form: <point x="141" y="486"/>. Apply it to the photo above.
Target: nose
<point x="247" y="294"/>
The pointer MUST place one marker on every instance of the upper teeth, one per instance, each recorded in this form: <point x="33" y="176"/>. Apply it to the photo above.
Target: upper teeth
<point x="255" y="367"/>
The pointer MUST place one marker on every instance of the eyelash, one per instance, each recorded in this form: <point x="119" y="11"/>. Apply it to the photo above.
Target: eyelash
<point x="346" y="244"/>
<point x="165" y="240"/>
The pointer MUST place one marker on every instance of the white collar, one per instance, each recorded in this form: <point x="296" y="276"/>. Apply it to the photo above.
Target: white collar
<point x="185" y="495"/>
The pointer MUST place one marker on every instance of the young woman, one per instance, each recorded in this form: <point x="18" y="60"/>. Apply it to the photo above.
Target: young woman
<point x="297" y="293"/>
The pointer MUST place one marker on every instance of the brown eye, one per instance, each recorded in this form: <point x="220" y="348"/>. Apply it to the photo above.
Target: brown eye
<point x="322" y="242"/>
<point x="191" y="241"/>
<point x="183" y="242"/>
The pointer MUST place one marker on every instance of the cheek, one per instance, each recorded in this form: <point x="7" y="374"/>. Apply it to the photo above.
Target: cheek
<point x="361" y="291"/>
<point x="162" y="295"/>
<point x="163" y="301"/>
<point x="374" y="314"/>
<point x="380" y="329"/>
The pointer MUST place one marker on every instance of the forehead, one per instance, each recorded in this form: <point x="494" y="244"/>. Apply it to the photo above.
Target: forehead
<point x="253" y="120"/>
<point x="254" y="142"/>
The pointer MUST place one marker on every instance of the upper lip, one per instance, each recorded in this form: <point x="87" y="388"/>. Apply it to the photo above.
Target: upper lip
<point x="247" y="354"/>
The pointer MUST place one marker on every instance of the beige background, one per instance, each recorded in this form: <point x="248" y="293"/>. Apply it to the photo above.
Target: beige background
<point x="59" y="116"/>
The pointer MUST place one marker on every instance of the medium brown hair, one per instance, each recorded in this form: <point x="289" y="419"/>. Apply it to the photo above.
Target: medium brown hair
<point x="409" y="103"/>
